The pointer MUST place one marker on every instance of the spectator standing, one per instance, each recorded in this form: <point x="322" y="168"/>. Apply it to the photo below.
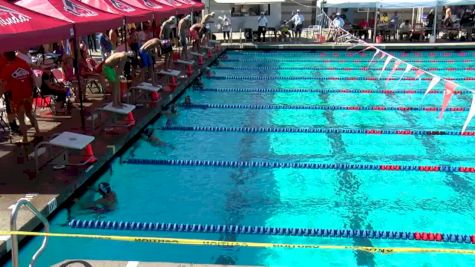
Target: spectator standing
<point x="114" y="38"/>
<point x="298" y="20"/>
<point x="7" y="97"/>
<point x="262" y="27"/>
<point x="17" y="78"/>
<point x="106" y="46"/>
<point x="394" y="21"/>
<point x="227" y="28"/>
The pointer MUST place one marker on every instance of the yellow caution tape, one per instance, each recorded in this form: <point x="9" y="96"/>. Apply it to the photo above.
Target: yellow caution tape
<point x="204" y="242"/>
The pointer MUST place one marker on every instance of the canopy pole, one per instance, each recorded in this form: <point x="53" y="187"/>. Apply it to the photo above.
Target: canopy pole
<point x="375" y="24"/>
<point x="78" y="77"/>
<point x="434" y="30"/>
<point x="412" y="18"/>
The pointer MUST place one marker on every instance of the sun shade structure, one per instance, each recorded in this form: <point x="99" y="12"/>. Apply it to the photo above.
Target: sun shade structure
<point x="180" y="8"/>
<point x="192" y="5"/>
<point x="248" y="1"/>
<point x="86" y="19"/>
<point x="391" y="4"/>
<point x="22" y="28"/>
<point x="160" y="10"/>
<point x="132" y="13"/>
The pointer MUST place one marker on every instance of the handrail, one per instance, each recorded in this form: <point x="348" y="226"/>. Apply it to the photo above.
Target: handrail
<point x="13" y="227"/>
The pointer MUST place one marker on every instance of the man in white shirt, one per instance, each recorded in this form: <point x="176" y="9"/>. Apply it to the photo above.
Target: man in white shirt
<point x="298" y="19"/>
<point x="338" y="21"/>
<point x="262" y="27"/>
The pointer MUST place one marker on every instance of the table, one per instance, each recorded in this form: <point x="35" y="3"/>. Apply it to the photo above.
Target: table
<point x="67" y="141"/>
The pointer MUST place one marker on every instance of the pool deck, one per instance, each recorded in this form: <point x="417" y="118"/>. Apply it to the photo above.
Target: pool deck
<point x="52" y="188"/>
<point x="92" y="263"/>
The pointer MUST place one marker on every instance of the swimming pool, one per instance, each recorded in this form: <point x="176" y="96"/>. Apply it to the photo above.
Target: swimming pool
<point x="295" y="197"/>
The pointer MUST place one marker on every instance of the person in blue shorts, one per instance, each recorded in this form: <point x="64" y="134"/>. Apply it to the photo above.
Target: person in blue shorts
<point x="146" y="53"/>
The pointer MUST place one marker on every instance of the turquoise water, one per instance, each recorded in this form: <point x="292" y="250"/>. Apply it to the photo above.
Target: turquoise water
<point x="355" y="199"/>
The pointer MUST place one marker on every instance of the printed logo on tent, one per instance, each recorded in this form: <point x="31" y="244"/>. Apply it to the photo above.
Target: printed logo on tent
<point x="151" y="4"/>
<point x="78" y="10"/>
<point x="175" y="2"/>
<point x="20" y="74"/>
<point x="122" y="6"/>
<point x="9" y="17"/>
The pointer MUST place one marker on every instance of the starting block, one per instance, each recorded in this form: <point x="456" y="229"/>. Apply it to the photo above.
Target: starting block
<point x="216" y="44"/>
<point x="173" y="74"/>
<point x="200" y="57"/>
<point x="189" y="65"/>
<point x="209" y="50"/>
<point x="145" y="87"/>
<point x="125" y="110"/>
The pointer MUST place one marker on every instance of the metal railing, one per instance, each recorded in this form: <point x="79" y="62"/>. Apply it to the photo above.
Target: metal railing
<point x="13" y="227"/>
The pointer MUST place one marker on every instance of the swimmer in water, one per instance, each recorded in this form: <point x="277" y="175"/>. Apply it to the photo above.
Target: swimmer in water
<point x="187" y="101"/>
<point x="153" y="140"/>
<point x="170" y="112"/>
<point x="106" y="203"/>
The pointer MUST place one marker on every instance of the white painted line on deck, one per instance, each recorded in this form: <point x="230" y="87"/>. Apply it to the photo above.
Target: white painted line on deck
<point x="132" y="264"/>
<point x="90" y="168"/>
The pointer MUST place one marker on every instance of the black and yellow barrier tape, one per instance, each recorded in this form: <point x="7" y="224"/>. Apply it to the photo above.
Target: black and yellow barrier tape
<point x="204" y="242"/>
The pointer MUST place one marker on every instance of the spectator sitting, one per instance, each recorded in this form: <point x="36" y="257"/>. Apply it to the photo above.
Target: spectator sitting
<point x="363" y="29"/>
<point x="86" y="72"/>
<point x="404" y="29"/>
<point x="384" y="19"/>
<point x="106" y="45"/>
<point x="394" y="21"/>
<point x="49" y="86"/>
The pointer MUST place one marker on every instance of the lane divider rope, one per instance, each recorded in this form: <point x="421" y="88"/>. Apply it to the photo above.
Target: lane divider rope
<point x="298" y="165"/>
<point x="311" y="130"/>
<point x="349" y="54"/>
<point x="264" y="230"/>
<point x="328" y="78"/>
<point x="318" y="60"/>
<point x="331" y="68"/>
<point x="344" y="91"/>
<point x="218" y="243"/>
<point x="318" y="107"/>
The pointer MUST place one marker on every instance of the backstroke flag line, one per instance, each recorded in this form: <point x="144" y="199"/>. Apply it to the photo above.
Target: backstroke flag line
<point x="471" y="113"/>
<point x="448" y="93"/>
<point x="435" y="80"/>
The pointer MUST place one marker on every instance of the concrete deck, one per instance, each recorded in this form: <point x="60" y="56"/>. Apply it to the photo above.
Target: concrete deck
<point x="51" y="188"/>
<point x="94" y="263"/>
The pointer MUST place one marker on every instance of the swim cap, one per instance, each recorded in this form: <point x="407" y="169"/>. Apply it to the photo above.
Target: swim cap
<point x="148" y="132"/>
<point x="104" y="188"/>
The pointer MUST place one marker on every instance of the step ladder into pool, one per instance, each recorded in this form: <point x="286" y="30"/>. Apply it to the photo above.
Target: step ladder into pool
<point x="13" y="227"/>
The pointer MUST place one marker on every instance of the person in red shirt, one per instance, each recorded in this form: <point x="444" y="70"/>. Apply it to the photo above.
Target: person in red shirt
<point x="17" y="79"/>
<point x="10" y="115"/>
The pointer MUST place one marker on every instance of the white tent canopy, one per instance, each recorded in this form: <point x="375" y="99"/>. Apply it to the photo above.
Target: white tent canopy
<point x="394" y="4"/>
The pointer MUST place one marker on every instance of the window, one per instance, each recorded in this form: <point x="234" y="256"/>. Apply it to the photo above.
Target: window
<point x="249" y="10"/>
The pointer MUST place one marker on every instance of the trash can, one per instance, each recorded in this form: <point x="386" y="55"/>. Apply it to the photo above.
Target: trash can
<point x="248" y="34"/>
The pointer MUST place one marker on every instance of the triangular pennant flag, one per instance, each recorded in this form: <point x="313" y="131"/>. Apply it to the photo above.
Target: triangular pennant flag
<point x="408" y="68"/>
<point x="383" y="54"/>
<point x="435" y="80"/>
<point x="388" y="59"/>
<point x="375" y="54"/>
<point x="396" y="65"/>
<point x="448" y="92"/>
<point x="419" y="72"/>
<point x="471" y="113"/>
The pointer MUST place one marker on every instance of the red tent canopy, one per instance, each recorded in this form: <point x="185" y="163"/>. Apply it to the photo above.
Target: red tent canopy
<point x="132" y="13"/>
<point x="86" y="19"/>
<point x="22" y="28"/>
<point x="193" y="5"/>
<point x="161" y="10"/>
<point x="180" y="9"/>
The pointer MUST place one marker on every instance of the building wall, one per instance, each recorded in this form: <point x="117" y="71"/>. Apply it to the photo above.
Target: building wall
<point x="242" y="22"/>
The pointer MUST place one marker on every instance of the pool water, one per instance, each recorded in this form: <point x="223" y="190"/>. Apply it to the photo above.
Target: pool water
<point x="342" y="199"/>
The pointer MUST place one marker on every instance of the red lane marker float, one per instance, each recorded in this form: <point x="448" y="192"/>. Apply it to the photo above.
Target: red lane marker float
<point x="374" y="131"/>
